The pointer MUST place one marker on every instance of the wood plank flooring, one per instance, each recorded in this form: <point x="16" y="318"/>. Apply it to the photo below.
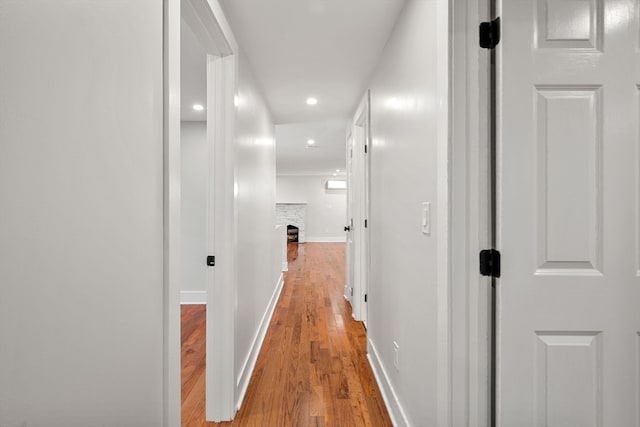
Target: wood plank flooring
<point x="312" y="369"/>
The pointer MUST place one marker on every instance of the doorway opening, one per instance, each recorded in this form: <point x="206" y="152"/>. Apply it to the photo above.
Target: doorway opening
<point x="195" y="211"/>
<point x="206" y="156"/>
<point x="194" y="168"/>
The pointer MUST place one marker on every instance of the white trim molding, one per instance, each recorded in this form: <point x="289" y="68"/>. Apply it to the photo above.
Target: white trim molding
<point x="223" y="279"/>
<point x="171" y="213"/>
<point x="391" y="401"/>
<point x="193" y="297"/>
<point x="468" y="294"/>
<point x="341" y="239"/>
<point x="250" y="363"/>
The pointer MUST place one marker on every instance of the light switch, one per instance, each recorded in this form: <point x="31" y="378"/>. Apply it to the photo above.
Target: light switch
<point x="426" y="218"/>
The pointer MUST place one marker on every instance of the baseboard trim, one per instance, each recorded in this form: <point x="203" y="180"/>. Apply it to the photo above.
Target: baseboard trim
<point x="326" y="239"/>
<point x="252" y="357"/>
<point x="285" y="265"/>
<point x="193" y="297"/>
<point x="391" y="401"/>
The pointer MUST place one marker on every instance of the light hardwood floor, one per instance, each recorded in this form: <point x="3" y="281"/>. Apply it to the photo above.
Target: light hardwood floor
<point x="312" y="370"/>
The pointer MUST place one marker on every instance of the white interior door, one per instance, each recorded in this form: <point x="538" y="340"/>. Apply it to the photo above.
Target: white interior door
<point x="349" y="252"/>
<point x="364" y="125"/>
<point x="358" y="228"/>
<point x="568" y="220"/>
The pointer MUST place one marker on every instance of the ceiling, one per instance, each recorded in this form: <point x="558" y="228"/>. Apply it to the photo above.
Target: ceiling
<point x="295" y="157"/>
<point x="321" y="48"/>
<point x="297" y="49"/>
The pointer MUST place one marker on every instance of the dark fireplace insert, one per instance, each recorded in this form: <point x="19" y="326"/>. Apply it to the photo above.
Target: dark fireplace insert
<point x="292" y="234"/>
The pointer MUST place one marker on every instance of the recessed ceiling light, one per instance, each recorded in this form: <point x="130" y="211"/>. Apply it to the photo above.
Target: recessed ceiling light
<point x="338" y="170"/>
<point x="335" y="174"/>
<point x="310" y="142"/>
<point x="198" y="107"/>
<point x="312" y="101"/>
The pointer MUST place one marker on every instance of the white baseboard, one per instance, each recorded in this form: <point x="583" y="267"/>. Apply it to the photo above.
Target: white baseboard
<point x="396" y="413"/>
<point x="341" y="239"/>
<point x="193" y="297"/>
<point x="252" y="357"/>
<point x="285" y="265"/>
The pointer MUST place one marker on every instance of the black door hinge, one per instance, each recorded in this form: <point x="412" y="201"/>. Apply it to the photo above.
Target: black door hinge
<point x="365" y="148"/>
<point x="366" y="223"/>
<point x="211" y="261"/>
<point x="490" y="263"/>
<point x="365" y="297"/>
<point x="490" y="34"/>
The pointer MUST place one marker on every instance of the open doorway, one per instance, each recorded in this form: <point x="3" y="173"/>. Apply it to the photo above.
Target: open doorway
<point x="194" y="168"/>
<point x="195" y="211"/>
<point x="199" y="188"/>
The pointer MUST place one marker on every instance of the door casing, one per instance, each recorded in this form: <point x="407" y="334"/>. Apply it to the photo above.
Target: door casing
<point x="467" y="378"/>
<point x="359" y="207"/>
<point x="207" y="20"/>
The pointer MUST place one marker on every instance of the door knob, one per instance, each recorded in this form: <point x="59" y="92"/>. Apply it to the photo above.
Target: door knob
<point x="347" y="228"/>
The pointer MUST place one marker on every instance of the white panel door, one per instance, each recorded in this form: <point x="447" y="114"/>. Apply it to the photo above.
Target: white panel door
<point x="349" y="253"/>
<point x="357" y="227"/>
<point x="568" y="220"/>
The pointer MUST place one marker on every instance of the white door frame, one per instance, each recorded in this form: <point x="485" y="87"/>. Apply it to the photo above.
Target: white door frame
<point x="207" y="20"/>
<point x="171" y="392"/>
<point x="469" y="294"/>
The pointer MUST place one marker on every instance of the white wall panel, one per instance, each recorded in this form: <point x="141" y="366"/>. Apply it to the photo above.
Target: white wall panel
<point x="402" y="291"/>
<point x="258" y="261"/>
<point x="81" y="224"/>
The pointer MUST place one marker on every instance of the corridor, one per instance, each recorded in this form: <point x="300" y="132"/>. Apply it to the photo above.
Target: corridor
<point x="312" y="369"/>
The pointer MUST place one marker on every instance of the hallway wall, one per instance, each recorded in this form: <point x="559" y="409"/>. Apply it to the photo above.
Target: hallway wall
<point x="326" y="209"/>
<point x="81" y="222"/>
<point x="259" y="252"/>
<point x="402" y="305"/>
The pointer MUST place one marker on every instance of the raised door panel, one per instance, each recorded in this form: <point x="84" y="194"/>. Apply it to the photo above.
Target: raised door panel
<point x="568" y="379"/>
<point x="569" y="24"/>
<point x="568" y="127"/>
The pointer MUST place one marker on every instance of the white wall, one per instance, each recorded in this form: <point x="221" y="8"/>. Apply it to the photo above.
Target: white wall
<point x="326" y="209"/>
<point x="403" y="281"/>
<point x="81" y="223"/>
<point x="193" y="194"/>
<point x="259" y="263"/>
